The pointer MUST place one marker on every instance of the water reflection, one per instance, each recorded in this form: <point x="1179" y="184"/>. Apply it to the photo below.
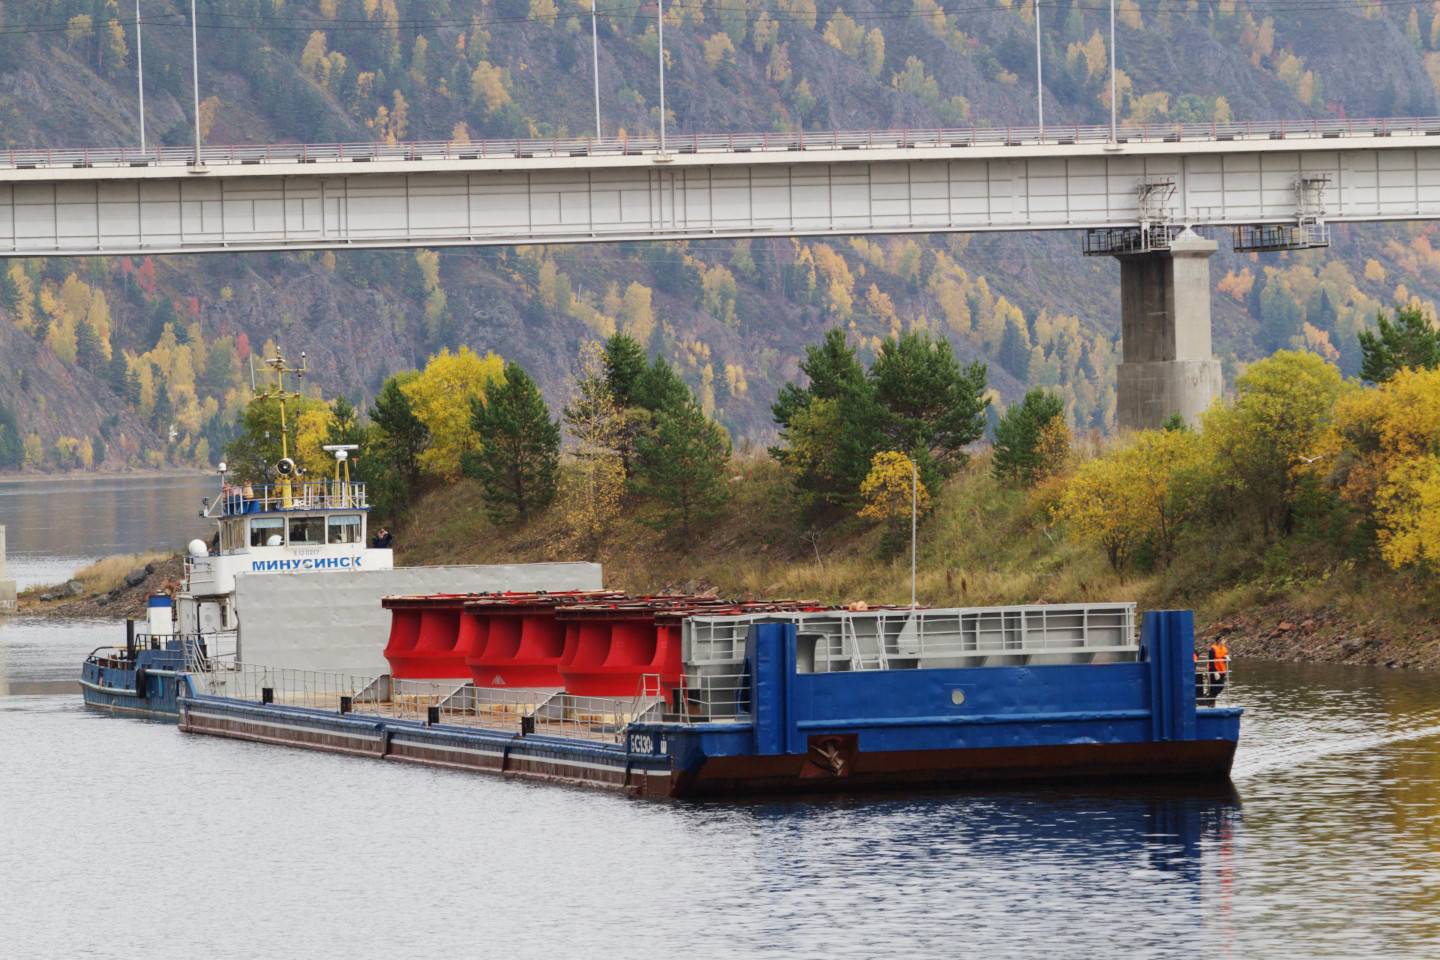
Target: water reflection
<point x="56" y="526"/>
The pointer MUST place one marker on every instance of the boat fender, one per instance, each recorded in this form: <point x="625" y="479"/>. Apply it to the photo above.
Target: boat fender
<point x="142" y="679"/>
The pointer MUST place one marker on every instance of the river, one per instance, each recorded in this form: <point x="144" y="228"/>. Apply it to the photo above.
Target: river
<point x="125" y="838"/>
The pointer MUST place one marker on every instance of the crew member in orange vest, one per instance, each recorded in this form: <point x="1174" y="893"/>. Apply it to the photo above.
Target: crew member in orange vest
<point x="1219" y="667"/>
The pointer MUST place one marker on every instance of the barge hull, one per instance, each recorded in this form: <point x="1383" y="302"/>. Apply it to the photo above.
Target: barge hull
<point x="1080" y="762"/>
<point x="611" y="767"/>
<point x="552" y="760"/>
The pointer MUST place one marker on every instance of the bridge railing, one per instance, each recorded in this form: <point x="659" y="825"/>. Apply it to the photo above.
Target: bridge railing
<point x="581" y="147"/>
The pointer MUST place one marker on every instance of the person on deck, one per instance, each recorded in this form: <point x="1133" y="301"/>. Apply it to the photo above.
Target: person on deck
<point x="383" y="539"/>
<point x="1219" y="667"/>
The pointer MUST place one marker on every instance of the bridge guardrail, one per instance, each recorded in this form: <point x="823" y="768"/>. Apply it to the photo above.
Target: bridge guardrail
<point x="577" y="147"/>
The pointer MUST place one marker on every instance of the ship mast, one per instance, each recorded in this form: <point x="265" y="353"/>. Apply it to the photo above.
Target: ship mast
<point x="286" y="467"/>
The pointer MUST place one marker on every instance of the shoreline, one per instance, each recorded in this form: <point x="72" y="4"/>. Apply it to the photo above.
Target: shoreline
<point x="1277" y="631"/>
<point x="168" y="474"/>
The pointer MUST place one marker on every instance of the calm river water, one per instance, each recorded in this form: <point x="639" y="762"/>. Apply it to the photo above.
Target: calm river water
<point x="122" y="838"/>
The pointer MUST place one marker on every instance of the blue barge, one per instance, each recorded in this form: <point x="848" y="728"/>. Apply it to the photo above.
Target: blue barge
<point x="791" y="709"/>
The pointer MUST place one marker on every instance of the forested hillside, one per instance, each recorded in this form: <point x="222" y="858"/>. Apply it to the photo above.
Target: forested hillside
<point x="164" y="345"/>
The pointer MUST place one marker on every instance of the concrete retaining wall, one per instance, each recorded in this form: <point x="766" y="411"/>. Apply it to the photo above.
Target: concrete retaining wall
<point x="333" y="622"/>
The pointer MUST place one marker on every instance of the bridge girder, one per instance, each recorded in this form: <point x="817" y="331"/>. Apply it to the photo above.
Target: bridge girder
<point x="89" y="210"/>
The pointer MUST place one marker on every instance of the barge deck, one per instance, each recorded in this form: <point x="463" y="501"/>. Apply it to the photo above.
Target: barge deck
<point x="768" y="717"/>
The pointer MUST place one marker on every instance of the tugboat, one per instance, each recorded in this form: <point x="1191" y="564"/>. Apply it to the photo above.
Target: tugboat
<point x="288" y="525"/>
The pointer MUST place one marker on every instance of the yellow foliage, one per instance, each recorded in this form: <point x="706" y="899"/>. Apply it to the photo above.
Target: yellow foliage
<point x="309" y="432"/>
<point x="590" y="497"/>
<point x="719" y="49"/>
<point x="313" y="58"/>
<point x="1382" y="447"/>
<point x="636" y="317"/>
<point x="1238" y="285"/>
<point x="839" y="284"/>
<point x="1097" y="59"/>
<point x="208" y="108"/>
<point x="844" y="35"/>
<point x="440" y="397"/>
<point x="1374" y="272"/>
<point x="890" y="488"/>
<point x="488" y="83"/>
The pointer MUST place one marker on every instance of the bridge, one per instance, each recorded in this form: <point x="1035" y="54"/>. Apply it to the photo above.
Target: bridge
<point x="1134" y="194"/>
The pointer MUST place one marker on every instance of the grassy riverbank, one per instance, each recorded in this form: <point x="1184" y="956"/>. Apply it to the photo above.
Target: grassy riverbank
<point x="984" y="544"/>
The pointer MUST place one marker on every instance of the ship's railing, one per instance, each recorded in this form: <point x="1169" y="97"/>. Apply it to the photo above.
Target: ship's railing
<point x="591" y="718"/>
<point x="308" y="495"/>
<point x="569" y="148"/>
<point x="522" y="712"/>
<point x="295" y="688"/>
<point x="1212" y="678"/>
<point x="710" y="697"/>
<point x="836" y="640"/>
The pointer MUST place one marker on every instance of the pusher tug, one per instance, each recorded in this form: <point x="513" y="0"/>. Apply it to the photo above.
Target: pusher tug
<point x="293" y="525"/>
<point x="534" y="671"/>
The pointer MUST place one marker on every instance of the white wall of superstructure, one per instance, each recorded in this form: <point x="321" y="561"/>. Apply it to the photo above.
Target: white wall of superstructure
<point x="333" y="621"/>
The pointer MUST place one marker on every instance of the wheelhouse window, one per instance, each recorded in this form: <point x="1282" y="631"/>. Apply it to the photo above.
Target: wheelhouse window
<point x="345" y="528"/>
<point x="307" y="531"/>
<point x="267" y="532"/>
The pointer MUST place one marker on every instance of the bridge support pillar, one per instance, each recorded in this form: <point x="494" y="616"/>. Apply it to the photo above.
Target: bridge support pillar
<point x="1166" y="366"/>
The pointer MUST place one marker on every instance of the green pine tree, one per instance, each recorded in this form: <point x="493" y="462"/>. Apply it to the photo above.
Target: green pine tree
<point x="930" y="404"/>
<point x="831" y="368"/>
<point x="624" y="368"/>
<point x="87" y="348"/>
<point x="519" y="458"/>
<point x="402" y="436"/>
<point x="682" y="467"/>
<point x="12" y="445"/>
<point x="1017" y="436"/>
<point x="1409" y="341"/>
<point x="117" y="375"/>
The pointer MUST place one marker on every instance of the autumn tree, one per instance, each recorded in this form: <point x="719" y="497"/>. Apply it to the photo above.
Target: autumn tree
<point x="1256" y="446"/>
<point x="890" y="492"/>
<point x="1101" y="506"/>
<point x="1381" y="458"/>
<point x="440" y="398"/>
<point x="1028" y="439"/>
<point x="1409" y="341"/>
<point x="257" y="445"/>
<point x="519" y="455"/>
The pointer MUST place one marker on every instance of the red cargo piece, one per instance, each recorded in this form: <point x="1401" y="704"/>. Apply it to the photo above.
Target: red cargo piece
<point x="620" y="643"/>
<point x="526" y="643"/>
<point x="424" y="632"/>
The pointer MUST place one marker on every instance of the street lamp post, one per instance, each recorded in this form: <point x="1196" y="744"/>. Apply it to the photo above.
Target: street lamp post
<point x="140" y="72"/>
<point x="1039" y="73"/>
<point x="1114" y="96"/>
<point x="660" y="36"/>
<point x="595" y="56"/>
<point x="195" y="65"/>
<point x="914" y="509"/>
